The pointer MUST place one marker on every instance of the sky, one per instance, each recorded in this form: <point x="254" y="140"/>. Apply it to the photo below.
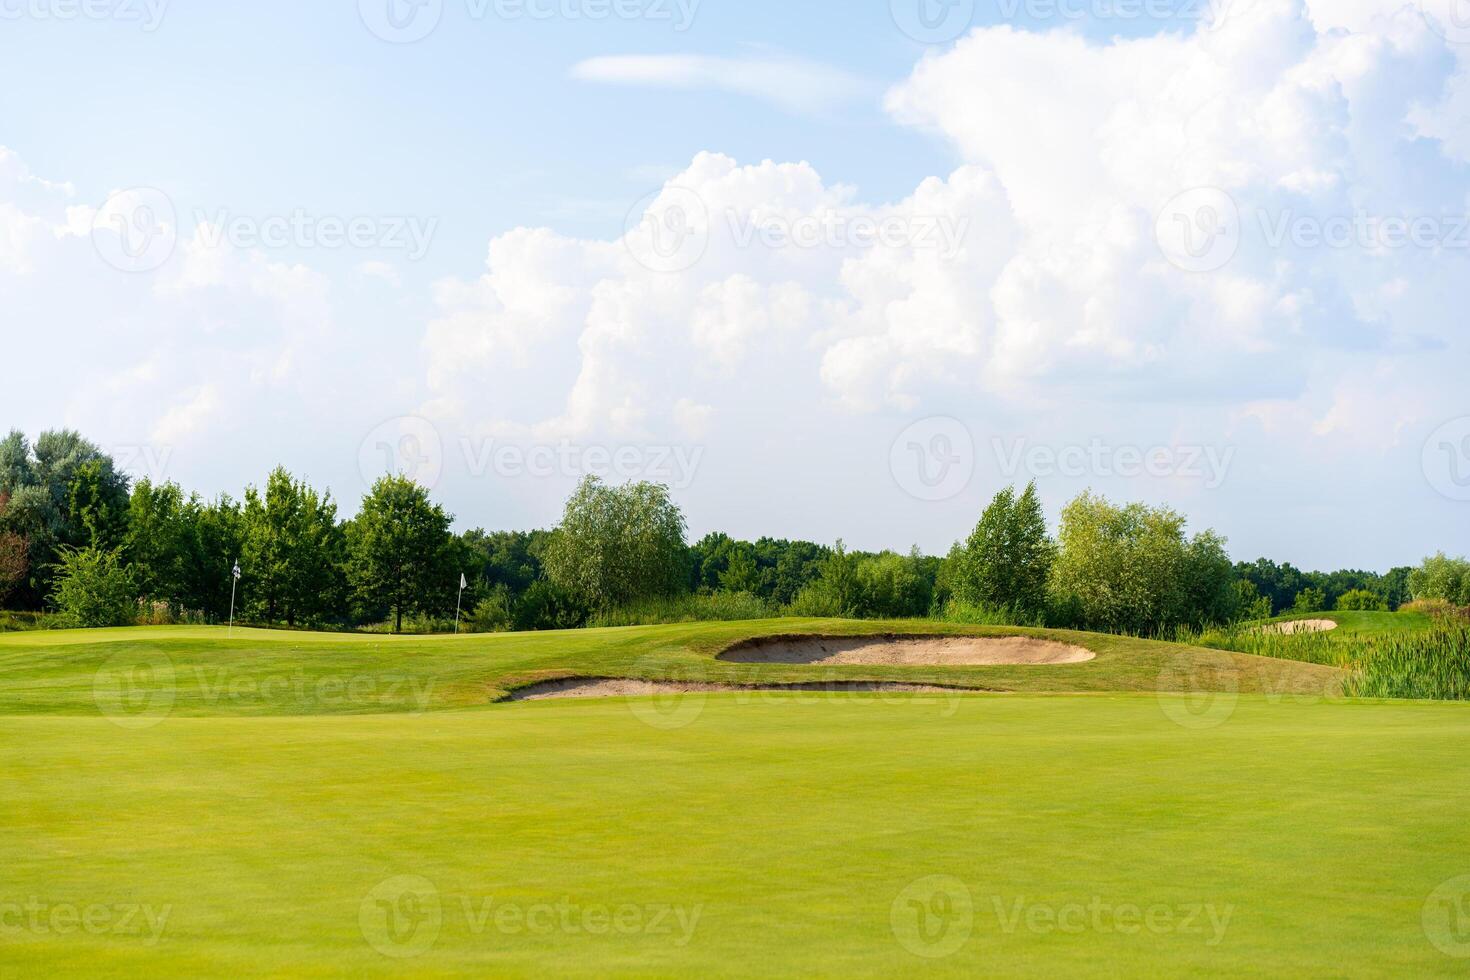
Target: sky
<point x="829" y="270"/>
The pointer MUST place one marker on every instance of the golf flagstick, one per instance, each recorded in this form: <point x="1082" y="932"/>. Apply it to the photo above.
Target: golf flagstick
<point x="458" y="600"/>
<point x="234" y="581"/>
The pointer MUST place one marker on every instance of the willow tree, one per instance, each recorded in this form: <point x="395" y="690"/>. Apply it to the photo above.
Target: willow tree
<point x="618" y="545"/>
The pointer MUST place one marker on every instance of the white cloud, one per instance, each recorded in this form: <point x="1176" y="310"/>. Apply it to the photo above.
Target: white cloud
<point x="791" y="83"/>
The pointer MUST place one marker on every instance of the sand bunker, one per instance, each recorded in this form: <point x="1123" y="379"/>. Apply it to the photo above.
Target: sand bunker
<point x="604" y="687"/>
<point x="914" y="651"/>
<point x="1300" y="626"/>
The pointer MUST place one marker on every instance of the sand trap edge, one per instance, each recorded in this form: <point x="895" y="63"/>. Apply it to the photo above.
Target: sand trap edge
<point x="567" y="688"/>
<point x="741" y="652"/>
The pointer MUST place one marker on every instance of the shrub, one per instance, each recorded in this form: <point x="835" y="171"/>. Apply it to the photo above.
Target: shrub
<point x="94" y="589"/>
<point x="547" y="606"/>
<point x="1442" y="577"/>
<point x="1131" y="569"/>
<point x="1310" y="600"/>
<point x="1362" y="599"/>
<point x="492" y="614"/>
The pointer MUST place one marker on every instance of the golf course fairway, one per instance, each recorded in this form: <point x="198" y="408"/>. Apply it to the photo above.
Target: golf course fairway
<point x="1214" y="832"/>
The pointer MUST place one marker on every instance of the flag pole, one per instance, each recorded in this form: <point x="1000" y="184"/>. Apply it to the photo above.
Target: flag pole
<point x="234" y="581"/>
<point x="457" y="600"/>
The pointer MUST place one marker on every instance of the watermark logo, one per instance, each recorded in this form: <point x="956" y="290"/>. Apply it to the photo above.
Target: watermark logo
<point x="1446" y="459"/>
<point x="941" y="234"/>
<point x="1446" y="917"/>
<point x="668" y="709"/>
<point x="401" y="917"/>
<point x="128" y="920"/>
<point x="1097" y="915"/>
<point x="136" y="230"/>
<point x="1198" y="689"/>
<point x="408" y="446"/>
<point x="932" y="21"/>
<point x="408" y="234"/>
<point x="401" y="21"/>
<point x="933" y="459"/>
<point x="147" y="14"/>
<point x="147" y="461"/>
<point x="1450" y="19"/>
<point x="1199" y="230"/>
<point x="1210" y="14"/>
<point x="668" y="230"/>
<point x="933" y="917"/>
<point x="674" y="466"/>
<point x="135" y="689"/>
<point x="1208" y="465"/>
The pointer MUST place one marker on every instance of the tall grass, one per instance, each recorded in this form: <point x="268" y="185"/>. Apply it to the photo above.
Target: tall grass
<point x="711" y="607"/>
<point x="1430" y="664"/>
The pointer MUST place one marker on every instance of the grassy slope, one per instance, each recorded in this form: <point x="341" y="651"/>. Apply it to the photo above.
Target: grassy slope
<point x="793" y="822"/>
<point x="274" y="673"/>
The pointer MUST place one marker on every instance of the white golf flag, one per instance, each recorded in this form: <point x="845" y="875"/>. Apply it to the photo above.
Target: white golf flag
<point x="462" y="583"/>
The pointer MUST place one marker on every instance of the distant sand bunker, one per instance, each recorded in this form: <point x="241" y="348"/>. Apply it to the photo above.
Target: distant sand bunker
<point x="601" y="687"/>
<point x="913" y="651"/>
<point x="1300" y="626"/>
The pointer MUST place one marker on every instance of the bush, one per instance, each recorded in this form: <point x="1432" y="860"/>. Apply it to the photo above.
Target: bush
<point x="1442" y="577"/>
<point x="492" y="614"/>
<point x="1309" y="601"/>
<point x="1362" y="600"/>
<point x="95" y="589"/>
<point x="1131" y="569"/>
<point x="547" y="606"/>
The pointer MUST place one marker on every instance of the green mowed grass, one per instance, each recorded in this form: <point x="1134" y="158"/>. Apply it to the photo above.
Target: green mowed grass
<point x="309" y="804"/>
<point x="192" y="671"/>
<point x="743" y="833"/>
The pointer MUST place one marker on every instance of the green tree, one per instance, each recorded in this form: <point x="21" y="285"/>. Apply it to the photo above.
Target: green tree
<point x="1310" y="600"/>
<point x="94" y="588"/>
<point x="63" y="492"/>
<point x="1442" y="578"/>
<point x="837" y="590"/>
<point x="617" y="545"/>
<point x="398" y="544"/>
<point x="157" y="544"/>
<point x="741" y="573"/>
<point x="1132" y="569"/>
<point x="14" y="562"/>
<point x="291" y="551"/>
<point x="1006" y="563"/>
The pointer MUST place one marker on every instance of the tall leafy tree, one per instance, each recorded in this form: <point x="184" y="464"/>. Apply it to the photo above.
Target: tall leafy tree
<point x="1007" y="560"/>
<point x="158" y="545"/>
<point x="63" y="492"/>
<point x="399" y="546"/>
<point x="1132" y="569"/>
<point x="291" y="551"/>
<point x="616" y="545"/>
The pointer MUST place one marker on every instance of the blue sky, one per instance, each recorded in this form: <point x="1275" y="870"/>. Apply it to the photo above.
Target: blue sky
<point x="1302" y="396"/>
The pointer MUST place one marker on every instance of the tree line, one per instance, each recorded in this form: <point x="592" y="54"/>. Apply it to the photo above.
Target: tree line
<point x="80" y="540"/>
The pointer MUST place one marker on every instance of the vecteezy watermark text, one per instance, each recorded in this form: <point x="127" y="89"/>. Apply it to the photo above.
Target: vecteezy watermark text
<point x="38" y="916"/>
<point x="147" y="14"/>
<point x="407" y="21"/>
<point x="401" y="917"/>
<point x="675" y="466"/>
<point x="409" y="234"/>
<point x="1208" y="464"/>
